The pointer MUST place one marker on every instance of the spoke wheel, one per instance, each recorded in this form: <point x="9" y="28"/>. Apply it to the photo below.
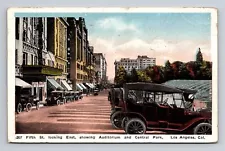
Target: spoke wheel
<point x="116" y="119"/>
<point x="19" y="108"/>
<point x="38" y="105"/>
<point x="28" y="107"/>
<point x="58" y="102"/>
<point x="135" y="126"/>
<point x="124" y="122"/>
<point x="203" y="129"/>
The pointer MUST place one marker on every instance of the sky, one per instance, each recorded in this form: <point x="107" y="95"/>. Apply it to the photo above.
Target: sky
<point x="165" y="36"/>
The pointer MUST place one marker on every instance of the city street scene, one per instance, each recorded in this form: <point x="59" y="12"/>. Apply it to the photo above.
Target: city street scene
<point x="114" y="73"/>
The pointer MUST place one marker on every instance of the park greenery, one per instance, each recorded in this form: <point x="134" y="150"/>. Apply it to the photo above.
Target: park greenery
<point x="192" y="70"/>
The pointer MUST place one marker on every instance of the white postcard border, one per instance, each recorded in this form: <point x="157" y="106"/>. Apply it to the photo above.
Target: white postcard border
<point x="29" y="138"/>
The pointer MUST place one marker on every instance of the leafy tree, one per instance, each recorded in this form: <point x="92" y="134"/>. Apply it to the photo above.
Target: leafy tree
<point x="176" y="69"/>
<point x="199" y="57"/>
<point x="142" y="76"/>
<point x="134" y="75"/>
<point x="121" y="76"/>
<point x="183" y="72"/>
<point x="168" y="71"/>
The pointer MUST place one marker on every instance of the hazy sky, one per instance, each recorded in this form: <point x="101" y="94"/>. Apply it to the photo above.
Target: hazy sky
<point x="166" y="36"/>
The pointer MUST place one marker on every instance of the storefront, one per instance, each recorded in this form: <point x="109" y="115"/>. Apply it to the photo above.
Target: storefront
<point x="37" y="76"/>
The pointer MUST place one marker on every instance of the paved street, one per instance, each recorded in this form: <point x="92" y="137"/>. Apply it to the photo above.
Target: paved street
<point x="89" y="115"/>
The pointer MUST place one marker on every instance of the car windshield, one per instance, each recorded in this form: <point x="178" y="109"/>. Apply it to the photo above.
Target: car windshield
<point x="145" y="97"/>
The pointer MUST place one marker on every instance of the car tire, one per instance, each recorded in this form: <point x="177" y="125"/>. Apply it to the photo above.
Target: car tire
<point x="58" y="102"/>
<point x="37" y="105"/>
<point x="28" y="107"/>
<point x="124" y="121"/>
<point x="135" y="126"/>
<point x="113" y="111"/>
<point x="19" y="108"/>
<point x="116" y="119"/>
<point x="203" y="129"/>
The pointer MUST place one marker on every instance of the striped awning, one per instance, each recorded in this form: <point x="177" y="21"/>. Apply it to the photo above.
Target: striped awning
<point x="23" y="84"/>
<point x="66" y="85"/>
<point x="79" y="87"/>
<point x="54" y="85"/>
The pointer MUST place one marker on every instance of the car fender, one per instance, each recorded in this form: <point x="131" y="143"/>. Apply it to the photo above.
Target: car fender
<point x="136" y="115"/>
<point x="192" y="123"/>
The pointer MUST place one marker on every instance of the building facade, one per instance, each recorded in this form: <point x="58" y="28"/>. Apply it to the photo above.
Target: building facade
<point x="101" y="68"/>
<point x="80" y="65"/>
<point x="57" y="44"/>
<point x="31" y="54"/>
<point x="140" y="63"/>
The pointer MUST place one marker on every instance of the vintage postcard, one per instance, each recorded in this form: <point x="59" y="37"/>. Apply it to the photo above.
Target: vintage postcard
<point x="112" y="75"/>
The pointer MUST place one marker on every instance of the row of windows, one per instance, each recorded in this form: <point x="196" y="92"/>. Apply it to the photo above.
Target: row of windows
<point x="80" y="76"/>
<point x="33" y="59"/>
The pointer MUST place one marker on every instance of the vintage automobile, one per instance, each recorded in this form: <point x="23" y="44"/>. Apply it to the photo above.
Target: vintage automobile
<point x="69" y="96"/>
<point x="56" y="98"/>
<point x="157" y="107"/>
<point x="96" y="91"/>
<point x="24" y="101"/>
<point x="114" y="96"/>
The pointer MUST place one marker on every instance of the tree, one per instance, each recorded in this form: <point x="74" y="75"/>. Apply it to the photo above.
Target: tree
<point x="199" y="57"/>
<point x="134" y="75"/>
<point x="168" y="71"/>
<point x="183" y="72"/>
<point x="176" y="69"/>
<point x="142" y="76"/>
<point x="120" y="76"/>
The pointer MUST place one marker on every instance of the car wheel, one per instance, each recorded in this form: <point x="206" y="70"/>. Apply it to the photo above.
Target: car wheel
<point x="28" y="107"/>
<point x="203" y="129"/>
<point x="124" y="121"/>
<point x="58" y="102"/>
<point x="38" y="105"/>
<point x="113" y="111"/>
<point x="116" y="119"/>
<point x="135" y="126"/>
<point x="19" y="108"/>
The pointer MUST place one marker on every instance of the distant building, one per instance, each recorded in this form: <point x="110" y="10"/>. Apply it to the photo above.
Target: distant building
<point x="101" y="68"/>
<point x="141" y="62"/>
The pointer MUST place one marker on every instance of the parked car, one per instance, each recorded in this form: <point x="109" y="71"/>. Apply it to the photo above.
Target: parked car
<point x="56" y="98"/>
<point x="96" y="91"/>
<point x="24" y="101"/>
<point x="157" y="107"/>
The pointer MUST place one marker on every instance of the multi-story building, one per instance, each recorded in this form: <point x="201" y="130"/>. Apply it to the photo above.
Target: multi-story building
<point x="32" y="56"/>
<point x="79" y="53"/>
<point x="141" y="62"/>
<point x="100" y="67"/>
<point x="57" y="43"/>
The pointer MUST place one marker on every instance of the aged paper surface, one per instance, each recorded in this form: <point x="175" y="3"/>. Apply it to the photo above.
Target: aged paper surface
<point x="97" y="75"/>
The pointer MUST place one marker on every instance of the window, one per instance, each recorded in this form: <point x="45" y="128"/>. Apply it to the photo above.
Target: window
<point x="32" y="59"/>
<point x="25" y="55"/>
<point x="35" y="60"/>
<point x="16" y="57"/>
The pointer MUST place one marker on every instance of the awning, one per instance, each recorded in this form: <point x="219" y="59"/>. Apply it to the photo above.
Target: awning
<point x="92" y="85"/>
<point x="82" y="86"/>
<point x="66" y="85"/>
<point x="23" y="84"/>
<point x="79" y="87"/>
<point x="54" y="85"/>
<point x="89" y="84"/>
